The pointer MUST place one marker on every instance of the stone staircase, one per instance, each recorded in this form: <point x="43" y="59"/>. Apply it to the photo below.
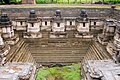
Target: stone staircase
<point x="97" y="52"/>
<point x="50" y="51"/>
<point x="20" y="53"/>
<point x="47" y="51"/>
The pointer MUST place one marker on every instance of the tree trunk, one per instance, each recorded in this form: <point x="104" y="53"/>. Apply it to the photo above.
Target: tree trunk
<point x="75" y="1"/>
<point x="103" y="1"/>
<point x="51" y="1"/>
<point x="91" y="1"/>
<point x="68" y="1"/>
<point x="80" y="1"/>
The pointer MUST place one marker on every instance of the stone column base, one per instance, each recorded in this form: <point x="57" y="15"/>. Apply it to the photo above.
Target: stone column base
<point x="13" y="40"/>
<point x="58" y="35"/>
<point x="83" y="36"/>
<point x="33" y="35"/>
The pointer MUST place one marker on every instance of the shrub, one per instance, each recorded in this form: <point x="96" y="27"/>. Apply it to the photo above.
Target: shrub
<point x="73" y="1"/>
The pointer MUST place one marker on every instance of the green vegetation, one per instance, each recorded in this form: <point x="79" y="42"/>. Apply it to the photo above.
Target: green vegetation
<point x="10" y="1"/>
<point x="74" y="1"/>
<point x="65" y="1"/>
<point x="17" y="1"/>
<point x="59" y="73"/>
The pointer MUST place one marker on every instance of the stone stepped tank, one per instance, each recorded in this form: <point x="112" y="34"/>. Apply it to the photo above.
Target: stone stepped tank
<point x="46" y="50"/>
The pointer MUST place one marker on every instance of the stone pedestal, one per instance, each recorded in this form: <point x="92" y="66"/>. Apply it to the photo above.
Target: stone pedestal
<point x="58" y="34"/>
<point x="28" y="2"/>
<point x="33" y="35"/>
<point x="83" y="35"/>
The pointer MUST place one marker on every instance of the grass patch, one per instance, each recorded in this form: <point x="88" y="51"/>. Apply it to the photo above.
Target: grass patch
<point x="71" y="72"/>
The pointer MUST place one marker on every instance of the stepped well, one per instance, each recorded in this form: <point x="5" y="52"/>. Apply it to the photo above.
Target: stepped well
<point x="56" y="51"/>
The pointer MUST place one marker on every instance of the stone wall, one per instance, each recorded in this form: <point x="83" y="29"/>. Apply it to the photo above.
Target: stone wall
<point x="49" y="12"/>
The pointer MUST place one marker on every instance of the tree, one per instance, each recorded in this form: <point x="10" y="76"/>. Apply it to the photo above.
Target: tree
<point x="7" y="1"/>
<point x="1" y="1"/>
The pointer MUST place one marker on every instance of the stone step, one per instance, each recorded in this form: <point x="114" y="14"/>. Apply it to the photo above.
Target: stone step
<point x="60" y="40"/>
<point x="57" y="42"/>
<point x="52" y="63"/>
<point x="45" y="34"/>
<point x="93" y="53"/>
<point x="96" y="52"/>
<point x="14" y="50"/>
<point x="58" y="51"/>
<point x="64" y="60"/>
<point x="57" y="58"/>
<point x="29" y="59"/>
<point x="21" y="53"/>
<point x="49" y="48"/>
<point x="102" y="50"/>
<point x="54" y="54"/>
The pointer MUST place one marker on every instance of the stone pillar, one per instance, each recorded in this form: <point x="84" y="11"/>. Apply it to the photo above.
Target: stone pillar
<point x="28" y="2"/>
